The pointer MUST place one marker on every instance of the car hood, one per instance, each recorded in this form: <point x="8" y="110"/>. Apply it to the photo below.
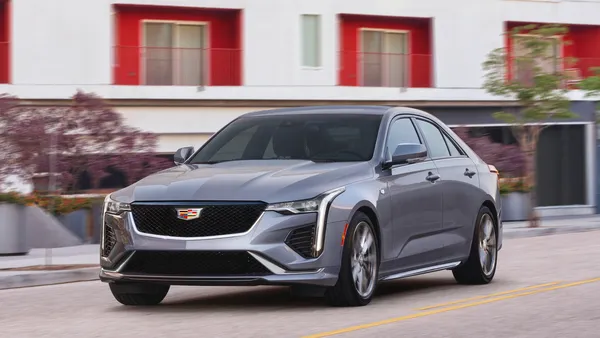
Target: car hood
<point x="263" y="180"/>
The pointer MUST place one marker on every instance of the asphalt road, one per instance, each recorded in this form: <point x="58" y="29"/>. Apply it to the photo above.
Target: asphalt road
<point x="545" y="287"/>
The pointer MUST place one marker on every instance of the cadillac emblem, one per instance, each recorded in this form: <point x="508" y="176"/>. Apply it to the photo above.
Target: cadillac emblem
<point x="188" y="214"/>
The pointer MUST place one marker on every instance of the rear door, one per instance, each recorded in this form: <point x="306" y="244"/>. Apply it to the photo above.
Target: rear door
<point x="460" y="187"/>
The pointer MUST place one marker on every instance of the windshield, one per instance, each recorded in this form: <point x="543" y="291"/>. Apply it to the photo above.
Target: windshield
<point x="319" y="138"/>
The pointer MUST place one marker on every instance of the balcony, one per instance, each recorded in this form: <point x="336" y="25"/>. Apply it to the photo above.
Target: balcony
<point x="155" y="66"/>
<point x="385" y="51"/>
<point x="385" y="70"/>
<point x="574" y="53"/>
<point x="177" y="46"/>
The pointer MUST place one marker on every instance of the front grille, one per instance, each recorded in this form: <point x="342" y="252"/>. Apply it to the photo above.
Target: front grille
<point x="301" y="240"/>
<point x="214" y="220"/>
<point x="110" y="239"/>
<point x="195" y="263"/>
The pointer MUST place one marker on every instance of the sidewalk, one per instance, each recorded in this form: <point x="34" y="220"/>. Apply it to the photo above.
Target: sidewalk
<point x="551" y="226"/>
<point x="81" y="254"/>
<point x="89" y="254"/>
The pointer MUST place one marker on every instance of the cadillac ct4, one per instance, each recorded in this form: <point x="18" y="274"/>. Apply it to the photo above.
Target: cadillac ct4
<point x="330" y="201"/>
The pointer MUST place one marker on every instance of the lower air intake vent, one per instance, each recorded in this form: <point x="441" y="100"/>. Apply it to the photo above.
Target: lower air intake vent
<point x="195" y="263"/>
<point x="110" y="239"/>
<point x="301" y="240"/>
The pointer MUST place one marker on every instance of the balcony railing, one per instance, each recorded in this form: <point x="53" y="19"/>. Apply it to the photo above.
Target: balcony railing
<point x="157" y="66"/>
<point x="4" y="62"/>
<point x="385" y="70"/>
<point x="573" y="69"/>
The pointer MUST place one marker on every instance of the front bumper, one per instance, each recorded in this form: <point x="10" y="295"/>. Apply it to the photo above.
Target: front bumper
<point x="264" y="244"/>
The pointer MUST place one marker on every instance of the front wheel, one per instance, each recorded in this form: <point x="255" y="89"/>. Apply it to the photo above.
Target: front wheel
<point x="360" y="265"/>
<point x="480" y="267"/>
<point x="139" y="294"/>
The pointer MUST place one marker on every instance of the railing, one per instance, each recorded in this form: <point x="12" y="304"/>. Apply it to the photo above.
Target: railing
<point x="4" y="62"/>
<point x="573" y="69"/>
<point x="385" y="70"/>
<point x="157" y="66"/>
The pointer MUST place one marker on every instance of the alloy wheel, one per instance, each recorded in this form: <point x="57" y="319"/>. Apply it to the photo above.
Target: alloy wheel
<point x="487" y="245"/>
<point x="364" y="259"/>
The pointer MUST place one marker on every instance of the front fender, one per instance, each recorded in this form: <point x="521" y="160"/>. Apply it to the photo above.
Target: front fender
<point x="366" y="194"/>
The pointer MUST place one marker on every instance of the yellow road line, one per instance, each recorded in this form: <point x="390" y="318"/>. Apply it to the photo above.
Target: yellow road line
<point x="451" y="308"/>
<point x="487" y="296"/>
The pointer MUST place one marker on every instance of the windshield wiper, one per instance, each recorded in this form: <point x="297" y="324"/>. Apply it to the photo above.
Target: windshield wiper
<point x="322" y="160"/>
<point x="212" y="162"/>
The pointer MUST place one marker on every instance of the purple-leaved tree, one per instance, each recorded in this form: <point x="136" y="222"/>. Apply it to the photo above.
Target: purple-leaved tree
<point x="508" y="159"/>
<point x="85" y="136"/>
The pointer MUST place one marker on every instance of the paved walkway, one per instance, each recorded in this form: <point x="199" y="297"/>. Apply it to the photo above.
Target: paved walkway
<point x="89" y="254"/>
<point x="81" y="254"/>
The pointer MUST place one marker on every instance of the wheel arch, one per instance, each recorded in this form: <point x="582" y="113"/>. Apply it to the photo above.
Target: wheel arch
<point x="490" y="205"/>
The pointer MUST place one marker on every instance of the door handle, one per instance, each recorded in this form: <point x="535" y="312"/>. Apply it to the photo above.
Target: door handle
<point x="469" y="173"/>
<point x="432" y="177"/>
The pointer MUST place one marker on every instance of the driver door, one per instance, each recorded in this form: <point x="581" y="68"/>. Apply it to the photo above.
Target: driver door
<point x="416" y="203"/>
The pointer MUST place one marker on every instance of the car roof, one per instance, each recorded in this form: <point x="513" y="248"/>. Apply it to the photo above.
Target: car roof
<point x="369" y="110"/>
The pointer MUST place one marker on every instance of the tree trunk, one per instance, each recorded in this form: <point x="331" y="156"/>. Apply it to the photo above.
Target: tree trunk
<point x="534" y="218"/>
<point x="528" y="137"/>
<point x="531" y="138"/>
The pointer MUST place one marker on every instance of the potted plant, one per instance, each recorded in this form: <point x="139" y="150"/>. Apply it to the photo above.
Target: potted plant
<point x="13" y="230"/>
<point x="515" y="197"/>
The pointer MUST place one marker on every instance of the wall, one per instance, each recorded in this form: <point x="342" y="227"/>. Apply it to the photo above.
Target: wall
<point x="51" y="59"/>
<point x="61" y="42"/>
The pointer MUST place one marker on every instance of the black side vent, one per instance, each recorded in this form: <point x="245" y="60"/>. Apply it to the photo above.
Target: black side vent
<point x="301" y="240"/>
<point x="110" y="239"/>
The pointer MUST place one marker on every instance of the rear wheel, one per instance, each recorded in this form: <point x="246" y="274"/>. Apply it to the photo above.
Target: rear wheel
<point x="139" y="294"/>
<point x="480" y="267"/>
<point x="360" y="266"/>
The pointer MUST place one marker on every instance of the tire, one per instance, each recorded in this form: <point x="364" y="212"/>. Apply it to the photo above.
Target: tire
<point x="139" y="294"/>
<point x="475" y="270"/>
<point x="346" y="292"/>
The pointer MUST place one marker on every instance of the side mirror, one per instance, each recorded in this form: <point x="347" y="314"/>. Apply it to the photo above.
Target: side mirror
<point x="182" y="154"/>
<point x="407" y="153"/>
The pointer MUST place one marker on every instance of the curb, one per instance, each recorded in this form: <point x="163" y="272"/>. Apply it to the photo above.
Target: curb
<point x="536" y="232"/>
<point x="28" y="279"/>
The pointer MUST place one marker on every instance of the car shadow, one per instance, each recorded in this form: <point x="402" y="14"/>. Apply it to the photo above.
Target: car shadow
<point x="280" y="298"/>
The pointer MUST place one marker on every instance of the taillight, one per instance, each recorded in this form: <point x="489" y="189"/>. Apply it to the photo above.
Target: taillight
<point x="493" y="169"/>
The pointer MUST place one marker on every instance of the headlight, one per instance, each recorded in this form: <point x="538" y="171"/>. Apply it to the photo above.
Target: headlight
<point x="305" y="206"/>
<point x="113" y="207"/>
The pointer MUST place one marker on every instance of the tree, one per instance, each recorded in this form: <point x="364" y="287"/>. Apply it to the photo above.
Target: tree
<point x="87" y="136"/>
<point x="530" y="77"/>
<point x="591" y="85"/>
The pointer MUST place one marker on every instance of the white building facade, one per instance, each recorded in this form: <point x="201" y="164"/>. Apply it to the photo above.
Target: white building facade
<point x="206" y="62"/>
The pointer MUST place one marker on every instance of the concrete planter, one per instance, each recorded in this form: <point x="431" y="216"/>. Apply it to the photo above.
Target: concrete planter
<point x="13" y="230"/>
<point x="515" y="206"/>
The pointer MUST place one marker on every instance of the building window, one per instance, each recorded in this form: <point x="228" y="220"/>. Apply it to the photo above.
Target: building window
<point x="523" y="67"/>
<point x="384" y="58"/>
<point x="174" y="54"/>
<point x="311" y="40"/>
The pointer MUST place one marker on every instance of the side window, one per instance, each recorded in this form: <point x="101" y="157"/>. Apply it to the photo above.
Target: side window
<point x="454" y="151"/>
<point x="435" y="139"/>
<point x="401" y="131"/>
